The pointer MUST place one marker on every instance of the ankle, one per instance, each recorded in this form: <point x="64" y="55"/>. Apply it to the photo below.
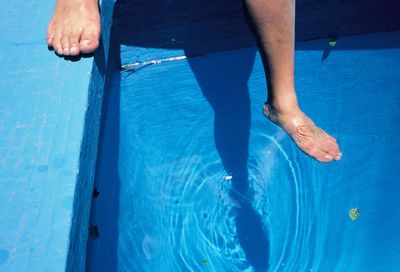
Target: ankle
<point x="283" y="105"/>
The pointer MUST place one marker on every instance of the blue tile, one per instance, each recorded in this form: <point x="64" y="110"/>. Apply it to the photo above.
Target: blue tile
<point x="43" y="113"/>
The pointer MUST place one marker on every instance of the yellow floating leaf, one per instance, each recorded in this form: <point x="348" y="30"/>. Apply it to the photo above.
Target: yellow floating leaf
<point x="354" y="213"/>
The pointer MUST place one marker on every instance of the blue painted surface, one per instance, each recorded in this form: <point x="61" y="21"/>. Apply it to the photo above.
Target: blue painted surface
<point x="106" y="61"/>
<point x="199" y="27"/>
<point x="49" y="118"/>
<point x="43" y="110"/>
<point x="192" y="177"/>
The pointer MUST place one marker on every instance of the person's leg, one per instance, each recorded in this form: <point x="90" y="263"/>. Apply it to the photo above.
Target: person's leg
<point x="273" y="22"/>
<point x="74" y="27"/>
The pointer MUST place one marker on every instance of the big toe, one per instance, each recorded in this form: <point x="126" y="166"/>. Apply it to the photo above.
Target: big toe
<point x="331" y="148"/>
<point x="324" y="150"/>
<point x="321" y="156"/>
<point x="89" y="42"/>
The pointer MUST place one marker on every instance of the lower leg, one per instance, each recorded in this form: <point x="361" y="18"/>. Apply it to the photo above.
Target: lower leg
<point x="273" y="22"/>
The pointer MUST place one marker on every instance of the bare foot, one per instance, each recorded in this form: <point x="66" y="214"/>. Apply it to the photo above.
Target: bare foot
<point x="75" y="27"/>
<point x="309" y="138"/>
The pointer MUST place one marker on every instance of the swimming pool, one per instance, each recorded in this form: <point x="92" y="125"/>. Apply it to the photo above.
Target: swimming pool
<point x="192" y="177"/>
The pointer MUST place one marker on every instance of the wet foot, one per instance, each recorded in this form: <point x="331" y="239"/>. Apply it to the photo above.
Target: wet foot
<point x="74" y="27"/>
<point x="309" y="138"/>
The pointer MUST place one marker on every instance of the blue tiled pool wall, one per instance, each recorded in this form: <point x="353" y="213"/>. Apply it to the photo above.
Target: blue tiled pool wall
<point x="106" y="62"/>
<point x="138" y="44"/>
<point x="132" y="173"/>
<point x="200" y="27"/>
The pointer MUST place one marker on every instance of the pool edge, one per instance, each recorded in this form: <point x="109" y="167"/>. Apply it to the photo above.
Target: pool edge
<point x="103" y="66"/>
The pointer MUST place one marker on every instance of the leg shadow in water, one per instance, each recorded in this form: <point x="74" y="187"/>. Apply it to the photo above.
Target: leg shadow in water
<point x="102" y="250"/>
<point x="223" y="81"/>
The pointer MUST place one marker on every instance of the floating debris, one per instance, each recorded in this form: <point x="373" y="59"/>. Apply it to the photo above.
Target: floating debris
<point x="94" y="232"/>
<point x="204" y="261"/>
<point x="150" y="246"/>
<point x="228" y="177"/>
<point x="354" y="213"/>
<point x="95" y="192"/>
<point x="332" y="42"/>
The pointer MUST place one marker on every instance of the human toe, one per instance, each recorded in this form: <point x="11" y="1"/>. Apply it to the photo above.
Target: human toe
<point x="321" y="155"/>
<point x="57" y="44"/>
<point x="89" y="42"/>
<point x="74" y="45"/>
<point x="65" y="45"/>
<point x="49" y="39"/>
<point x="50" y="35"/>
<point x="333" y="150"/>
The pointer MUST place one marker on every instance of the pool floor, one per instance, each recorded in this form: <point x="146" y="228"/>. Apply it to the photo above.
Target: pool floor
<point x="192" y="177"/>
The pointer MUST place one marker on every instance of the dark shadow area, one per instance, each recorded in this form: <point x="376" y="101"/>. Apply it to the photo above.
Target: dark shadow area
<point x="198" y="26"/>
<point x="102" y="245"/>
<point x="223" y="82"/>
<point x="106" y="64"/>
<point x="317" y="19"/>
<point x="102" y="250"/>
<point x="363" y="42"/>
<point x="73" y="58"/>
<point x="211" y="26"/>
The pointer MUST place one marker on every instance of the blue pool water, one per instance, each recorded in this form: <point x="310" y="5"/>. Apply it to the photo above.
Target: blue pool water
<point x="192" y="177"/>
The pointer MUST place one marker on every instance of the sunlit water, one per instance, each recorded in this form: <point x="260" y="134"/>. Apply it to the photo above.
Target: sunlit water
<point x="194" y="178"/>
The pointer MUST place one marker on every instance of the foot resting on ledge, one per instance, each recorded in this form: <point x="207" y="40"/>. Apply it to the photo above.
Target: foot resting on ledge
<point x="309" y="138"/>
<point x="74" y="27"/>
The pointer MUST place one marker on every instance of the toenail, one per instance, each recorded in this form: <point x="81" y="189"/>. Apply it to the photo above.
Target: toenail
<point x="328" y="157"/>
<point x="73" y="48"/>
<point x="85" y="42"/>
